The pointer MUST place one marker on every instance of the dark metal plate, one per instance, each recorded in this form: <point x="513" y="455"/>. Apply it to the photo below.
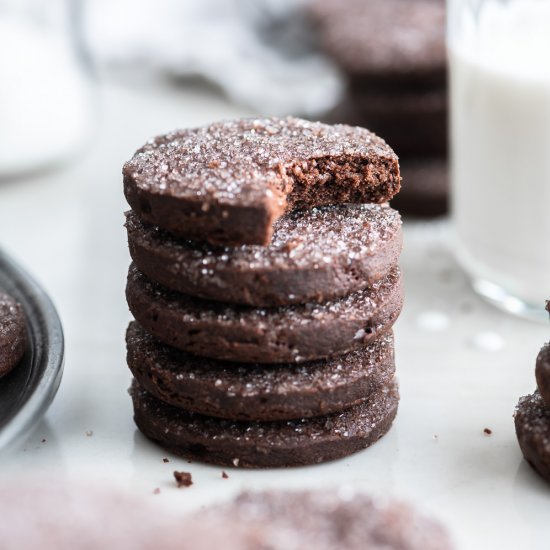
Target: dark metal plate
<point x="28" y="390"/>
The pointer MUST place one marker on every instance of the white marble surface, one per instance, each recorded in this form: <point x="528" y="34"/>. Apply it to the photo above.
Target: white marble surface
<point x="462" y="364"/>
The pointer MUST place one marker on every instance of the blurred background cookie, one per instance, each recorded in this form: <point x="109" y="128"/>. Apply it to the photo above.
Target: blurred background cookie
<point x="392" y="55"/>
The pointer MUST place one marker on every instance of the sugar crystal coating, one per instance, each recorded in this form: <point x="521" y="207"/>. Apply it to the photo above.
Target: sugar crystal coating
<point x="258" y="392"/>
<point x="314" y="255"/>
<point x="340" y="233"/>
<point x="243" y="161"/>
<point x="356" y="422"/>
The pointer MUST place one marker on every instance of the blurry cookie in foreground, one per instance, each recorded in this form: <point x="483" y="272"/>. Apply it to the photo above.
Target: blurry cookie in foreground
<point x="50" y="517"/>
<point x="331" y="519"/>
<point x="532" y="418"/>
<point x="35" y="516"/>
<point x="13" y="334"/>
<point x="425" y="189"/>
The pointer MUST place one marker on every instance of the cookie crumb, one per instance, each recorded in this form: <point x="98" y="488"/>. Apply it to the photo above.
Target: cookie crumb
<point x="44" y="441"/>
<point x="156" y="491"/>
<point x="487" y="431"/>
<point x="165" y="460"/>
<point x="89" y="433"/>
<point x="183" y="479"/>
<point x="224" y="475"/>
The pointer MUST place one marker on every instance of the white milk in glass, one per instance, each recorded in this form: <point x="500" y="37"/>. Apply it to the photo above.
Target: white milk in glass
<point x="500" y="138"/>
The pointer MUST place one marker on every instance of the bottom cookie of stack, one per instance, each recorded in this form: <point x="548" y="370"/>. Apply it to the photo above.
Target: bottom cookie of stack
<point x="259" y="444"/>
<point x="254" y="415"/>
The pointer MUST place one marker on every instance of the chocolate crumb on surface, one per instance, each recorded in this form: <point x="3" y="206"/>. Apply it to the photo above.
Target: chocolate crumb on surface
<point x="183" y="479"/>
<point x="224" y="475"/>
<point x="487" y="431"/>
<point x="227" y="182"/>
<point x="165" y="460"/>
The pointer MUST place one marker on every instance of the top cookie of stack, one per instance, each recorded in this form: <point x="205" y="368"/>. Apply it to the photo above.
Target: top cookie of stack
<point x="227" y="183"/>
<point x="259" y="244"/>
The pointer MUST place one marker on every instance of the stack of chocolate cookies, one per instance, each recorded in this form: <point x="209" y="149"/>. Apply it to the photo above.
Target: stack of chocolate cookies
<point x="393" y="55"/>
<point x="264" y="287"/>
<point x="532" y="417"/>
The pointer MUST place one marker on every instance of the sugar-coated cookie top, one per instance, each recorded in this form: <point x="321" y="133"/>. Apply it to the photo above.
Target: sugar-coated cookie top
<point x="246" y="160"/>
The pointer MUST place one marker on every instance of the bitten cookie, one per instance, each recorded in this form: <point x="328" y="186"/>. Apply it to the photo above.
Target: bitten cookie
<point x="532" y="421"/>
<point x="288" y="334"/>
<point x="265" y="444"/>
<point x="258" y="392"/>
<point x="228" y="182"/>
<point x="386" y="42"/>
<point x="330" y="519"/>
<point x="314" y="255"/>
<point x="13" y="334"/>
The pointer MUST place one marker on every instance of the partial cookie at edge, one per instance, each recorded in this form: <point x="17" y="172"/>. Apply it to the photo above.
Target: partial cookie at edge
<point x="532" y="422"/>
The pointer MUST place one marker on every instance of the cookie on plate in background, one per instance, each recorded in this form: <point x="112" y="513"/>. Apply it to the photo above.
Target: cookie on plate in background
<point x="13" y="334"/>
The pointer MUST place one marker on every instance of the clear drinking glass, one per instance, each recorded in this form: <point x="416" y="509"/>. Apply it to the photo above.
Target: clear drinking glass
<point x="499" y="55"/>
<point x="46" y="93"/>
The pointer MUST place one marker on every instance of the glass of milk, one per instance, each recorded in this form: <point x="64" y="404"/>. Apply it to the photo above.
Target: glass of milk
<point x="499" y="54"/>
<point x="46" y="94"/>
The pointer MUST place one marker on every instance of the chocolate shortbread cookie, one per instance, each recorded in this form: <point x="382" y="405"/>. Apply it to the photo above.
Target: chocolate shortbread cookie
<point x="13" y="333"/>
<point x="414" y="122"/>
<point x="265" y="444"/>
<point x="342" y="519"/>
<point x="385" y="42"/>
<point x="542" y="373"/>
<point x="314" y="255"/>
<point x="425" y="191"/>
<point x="532" y="421"/>
<point x="258" y="392"/>
<point x="288" y="334"/>
<point x="228" y="182"/>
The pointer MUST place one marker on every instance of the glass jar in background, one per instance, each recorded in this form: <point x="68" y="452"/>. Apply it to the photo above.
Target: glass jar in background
<point x="500" y="145"/>
<point x="46" y="93"/>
